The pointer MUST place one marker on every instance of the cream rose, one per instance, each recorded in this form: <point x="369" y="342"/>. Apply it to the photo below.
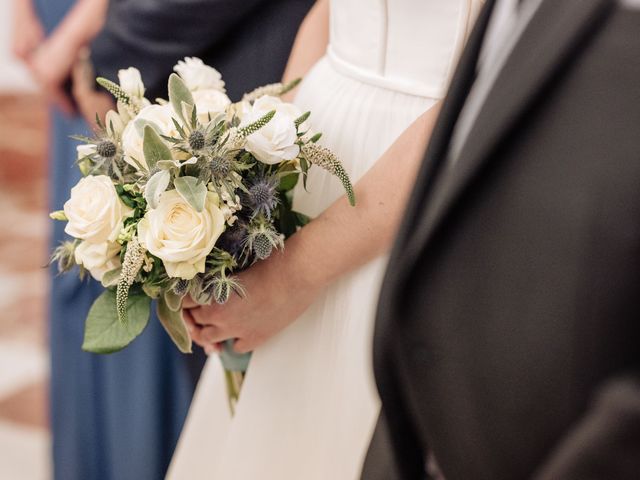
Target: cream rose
<point x="198" y="76"/>
<point x="95" y="211"/>
<point x="131" y="82"/>
<point x="179" y="235"/>
<point x="160" y="118"/>
<point x="210" y="103"/>
<point x="266" y="103"/>
<point x="98" y="258"/>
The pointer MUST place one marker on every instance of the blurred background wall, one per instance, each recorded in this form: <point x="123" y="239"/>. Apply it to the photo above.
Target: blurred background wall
<point x="24" y="437"/>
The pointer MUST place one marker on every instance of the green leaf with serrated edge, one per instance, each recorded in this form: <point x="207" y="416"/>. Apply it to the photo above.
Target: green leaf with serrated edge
<point x="175" y="326"/>
<point x="173" y="300"/>
<point x="192" y="190"/>
<point x="154" y="148"/>
<point x="179" y="93"/>
<point x="104" y="333"/>
<point x="111" y="278"/>
<point x="156" y="186"/>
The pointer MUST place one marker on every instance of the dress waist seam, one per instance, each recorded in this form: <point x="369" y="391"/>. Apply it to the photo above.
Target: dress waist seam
<point x="371" y="78"/>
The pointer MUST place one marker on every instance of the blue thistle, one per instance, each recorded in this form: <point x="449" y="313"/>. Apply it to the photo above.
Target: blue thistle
<point x="263" y="196"/>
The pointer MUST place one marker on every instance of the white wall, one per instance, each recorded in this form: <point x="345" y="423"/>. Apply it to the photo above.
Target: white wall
<point x="13" y="76"/>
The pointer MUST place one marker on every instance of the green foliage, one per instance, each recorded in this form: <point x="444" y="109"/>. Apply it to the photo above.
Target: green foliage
<point x="179" y="94"/>
<point x="154" y="148"/>
<point x="156" y="186"/>
<point x="105" y="333"/>
<point x="192" y="191"/>
<point x="111" y="278"/>
<point x="174" y="325"/>
<point x="257" y="125"/>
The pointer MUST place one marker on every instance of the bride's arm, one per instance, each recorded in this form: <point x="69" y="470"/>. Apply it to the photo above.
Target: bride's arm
<point x="341" y="239"/>
<point x="310" y="44"/>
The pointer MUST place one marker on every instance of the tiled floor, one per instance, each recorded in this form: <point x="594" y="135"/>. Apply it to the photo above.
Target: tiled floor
<point x="24" y="436"/>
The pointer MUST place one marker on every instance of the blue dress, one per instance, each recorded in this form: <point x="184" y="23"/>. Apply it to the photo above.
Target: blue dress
<point x="117" y="416"/>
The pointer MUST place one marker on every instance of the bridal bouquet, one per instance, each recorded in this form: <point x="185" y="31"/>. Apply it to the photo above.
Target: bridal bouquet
<point x="178" y="196"/>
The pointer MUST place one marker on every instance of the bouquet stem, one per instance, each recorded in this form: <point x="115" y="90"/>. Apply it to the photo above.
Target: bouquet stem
<point x="234" y="385"/>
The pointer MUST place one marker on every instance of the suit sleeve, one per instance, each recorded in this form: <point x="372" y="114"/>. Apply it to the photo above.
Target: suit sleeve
<point x="152" y="34"/>
<point x="606" y="443"/>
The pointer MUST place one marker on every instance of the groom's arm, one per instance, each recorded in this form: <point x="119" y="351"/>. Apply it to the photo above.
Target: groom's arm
<point x="152" y="34"/>
<point x="606" y="443"/>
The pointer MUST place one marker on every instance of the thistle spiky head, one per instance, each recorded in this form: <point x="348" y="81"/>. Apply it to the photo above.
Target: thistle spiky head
<point x="197" y="140"/>
<point x="221" y="166"/>
<point x="106" y="149"/>
<point x="181" y="287"/>
<point x="263" y="196"/>
<point x="262" y="246"/>
<point x="64" y="256"/>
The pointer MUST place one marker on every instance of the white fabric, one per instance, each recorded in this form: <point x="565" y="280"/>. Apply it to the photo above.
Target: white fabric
<point x="309" y="403"/>
<point x="505" y="28"/>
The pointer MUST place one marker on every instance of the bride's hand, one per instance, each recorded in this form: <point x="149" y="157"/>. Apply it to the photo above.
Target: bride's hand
<point x="275" y="297"/>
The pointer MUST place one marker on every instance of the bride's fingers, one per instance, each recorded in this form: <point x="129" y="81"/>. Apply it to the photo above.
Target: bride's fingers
<point x="187" y="302"/>
<point x="212" y="335"/>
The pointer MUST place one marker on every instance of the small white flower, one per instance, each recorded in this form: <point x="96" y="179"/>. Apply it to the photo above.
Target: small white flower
<point x="95" y="211"/>
<point x="158" y="116"/>
<point x="198" y="76"/>
<point x="179" y="235"/>
<point x="210" y="103"/>
<point x="98" y="258"/>
<point x="131" y="82"/>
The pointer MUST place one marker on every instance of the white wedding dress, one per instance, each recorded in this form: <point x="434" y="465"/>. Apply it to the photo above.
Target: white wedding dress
<point x="309" y="404"/>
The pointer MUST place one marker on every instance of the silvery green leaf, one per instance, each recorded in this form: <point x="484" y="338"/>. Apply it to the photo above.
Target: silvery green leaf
<point x="152" y="291"/>
<point x="111" y="278"/>
<point x="192" y="190"/>
<point x="154" y="147"/>
<point x="169" y="164"/>
<point x="156" y="186"/>
<point x="104" y="333"/>
<point x="175" y="326"/>
<point x="140" y="123"/>
<point x="179" y="94"/>
<point x="173" y="300"/>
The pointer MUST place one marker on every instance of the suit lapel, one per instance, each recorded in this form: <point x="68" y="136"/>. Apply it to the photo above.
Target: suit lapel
<point x="556" y="31"/>
<point x="441" y="136"/>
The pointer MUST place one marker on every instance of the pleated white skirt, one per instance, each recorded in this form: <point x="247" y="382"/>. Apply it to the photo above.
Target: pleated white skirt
<point x="309" y="403"/>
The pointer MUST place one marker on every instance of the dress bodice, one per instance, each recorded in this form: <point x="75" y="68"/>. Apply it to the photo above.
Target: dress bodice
<point x="407" y="45"/>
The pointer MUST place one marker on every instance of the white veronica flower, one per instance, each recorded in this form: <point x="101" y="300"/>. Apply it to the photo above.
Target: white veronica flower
<point x="198" y="76"/>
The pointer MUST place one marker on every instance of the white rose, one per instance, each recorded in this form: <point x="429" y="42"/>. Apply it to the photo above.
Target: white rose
<point x="131" y="82"/>
<point x="179" y="235"/>
<point x="98" y="258"/>
<point x="210" y="103"/>
<point x="266" y="103"/>
<point x="158" y="116"/>
<point x="275" y="142"/>
<point x="198" y="76"/>
<point x="95" y="211"/>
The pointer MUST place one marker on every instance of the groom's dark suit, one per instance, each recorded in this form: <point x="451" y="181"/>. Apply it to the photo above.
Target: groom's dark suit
<point x="508" y="332"/>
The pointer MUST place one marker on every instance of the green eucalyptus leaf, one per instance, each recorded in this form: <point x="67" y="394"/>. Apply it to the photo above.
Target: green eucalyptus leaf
<point x="179" y="94"/>
<point x="104" y="333"/>
<point x="192" y="190"/>
<point x="154" y="147"/>
<point x="175" y="326"/>
<point x="288" y="182"/>
<point x="111" y="278"/>
<point x="156" y="186"/>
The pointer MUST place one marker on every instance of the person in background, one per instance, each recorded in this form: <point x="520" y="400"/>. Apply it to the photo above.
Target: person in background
<point x="119" y="416"/>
